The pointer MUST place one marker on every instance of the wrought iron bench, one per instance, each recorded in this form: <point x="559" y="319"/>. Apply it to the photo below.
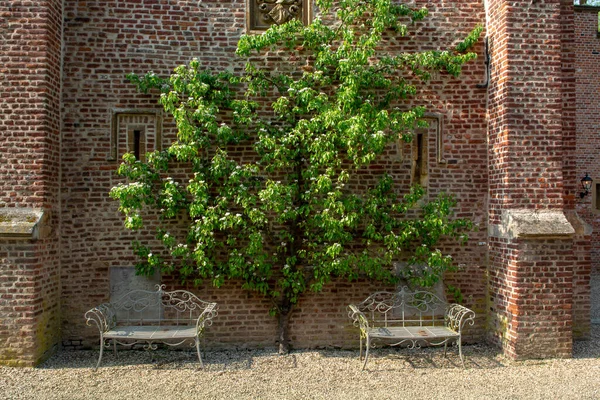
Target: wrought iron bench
<point x="410" y="318"/>
<point x="143" y="316"/>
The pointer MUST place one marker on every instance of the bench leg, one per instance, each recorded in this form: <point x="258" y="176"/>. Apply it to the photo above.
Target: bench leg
<point x="360" y="351"/>
<point x="115" y="347"/>
<point x="198" y="351"/>
<point x="445" y="348"/>
<point x="460" y="354"/>
<point x="101" y="350"/>
<point x="367" y="353"/>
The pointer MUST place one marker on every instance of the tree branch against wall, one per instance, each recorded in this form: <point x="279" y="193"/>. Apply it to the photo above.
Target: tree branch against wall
<point x="284" y="218"/>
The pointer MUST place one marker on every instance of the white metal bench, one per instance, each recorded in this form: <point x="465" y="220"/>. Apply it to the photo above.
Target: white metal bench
<point x="410" y="318"/>
<point x="143" y="316"/>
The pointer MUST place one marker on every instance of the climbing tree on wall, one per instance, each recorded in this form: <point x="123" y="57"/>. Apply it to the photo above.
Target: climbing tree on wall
<point x="265" y="167"/>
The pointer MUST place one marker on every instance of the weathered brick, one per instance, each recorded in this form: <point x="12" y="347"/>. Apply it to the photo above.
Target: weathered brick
<point x="520" y="144"/>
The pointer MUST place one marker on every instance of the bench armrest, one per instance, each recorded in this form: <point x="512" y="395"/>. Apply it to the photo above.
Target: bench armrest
<point x="457" y="316"/>
<point x="358" y="318"/>
<point x="205" y="319"/>
<point x="104" y="316"/>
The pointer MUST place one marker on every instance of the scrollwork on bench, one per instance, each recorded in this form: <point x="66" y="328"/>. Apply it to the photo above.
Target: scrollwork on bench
<point x="409" y="318"/>
<point x="143" y="316"/>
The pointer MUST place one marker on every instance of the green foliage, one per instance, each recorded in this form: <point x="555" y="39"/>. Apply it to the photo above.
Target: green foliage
<point x="289" y="217"/>
<point x="588" y="2"/>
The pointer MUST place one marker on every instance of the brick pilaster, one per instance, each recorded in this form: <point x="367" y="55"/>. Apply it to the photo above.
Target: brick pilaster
<point x="30" y="69"/>
<point x="530" y="124"/>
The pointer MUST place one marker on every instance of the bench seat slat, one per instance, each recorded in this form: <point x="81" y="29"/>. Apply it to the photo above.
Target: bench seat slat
<point x="151" y="332"/>
<point x="412" y="332"/>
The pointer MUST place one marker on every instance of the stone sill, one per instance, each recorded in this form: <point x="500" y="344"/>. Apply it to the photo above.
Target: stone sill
<point x="587" y="8"/>
<point x="532" y="224"/>
<point x="21" y="223"/>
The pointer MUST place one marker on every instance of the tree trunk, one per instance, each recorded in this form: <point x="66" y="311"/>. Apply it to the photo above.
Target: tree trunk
<point x="283" y="327"/>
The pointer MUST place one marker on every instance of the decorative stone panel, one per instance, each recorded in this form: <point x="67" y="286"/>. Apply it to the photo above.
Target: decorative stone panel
<point x="264" y="13"/>
<point x="124" y="279"/>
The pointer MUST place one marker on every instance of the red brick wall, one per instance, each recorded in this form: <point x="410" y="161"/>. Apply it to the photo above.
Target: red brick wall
<point x="587" y="74"/>
<point x="569" y="106"/>
<point x="532" y="297"/>
<point x="581" y="240"/>
<point x="17" y="293"/>
<point x="30" y="62"/>
<point x="530" y="125"/>
<point x="105" y="41"/>
<point x="543" y="303"/>
<point x="525" y="128"/>
<point x="581" y="287"/>
<point x="537" y="288"/>
<point x="587" y="48"/>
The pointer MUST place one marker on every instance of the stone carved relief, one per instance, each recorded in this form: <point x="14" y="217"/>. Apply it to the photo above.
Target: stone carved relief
<point x="124" y="279"/>
<point x="279" y="11"/>
<point x="264" y="13"/>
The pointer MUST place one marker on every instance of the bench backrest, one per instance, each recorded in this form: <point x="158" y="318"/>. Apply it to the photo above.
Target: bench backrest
<point x="405" y="307"/>
<point x="144" y="307"/>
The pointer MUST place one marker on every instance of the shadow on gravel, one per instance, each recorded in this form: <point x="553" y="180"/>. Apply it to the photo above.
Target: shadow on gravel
<point x="127" y="357"/>
<point x="589" y="348"/>
<point x="481" y="356"/>
<point x="476" y="356"/>
<point x="221" y="360"/>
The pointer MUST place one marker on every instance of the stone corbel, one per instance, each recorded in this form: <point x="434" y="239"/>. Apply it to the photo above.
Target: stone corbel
<point x="23" y="223"/>
<point x="532" y="224"/>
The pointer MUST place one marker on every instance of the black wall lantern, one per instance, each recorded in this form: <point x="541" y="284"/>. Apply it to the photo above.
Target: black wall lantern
<point x="586" y="184"/>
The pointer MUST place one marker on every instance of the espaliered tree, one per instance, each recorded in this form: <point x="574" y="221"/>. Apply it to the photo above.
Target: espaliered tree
<point x="263" y="172"/>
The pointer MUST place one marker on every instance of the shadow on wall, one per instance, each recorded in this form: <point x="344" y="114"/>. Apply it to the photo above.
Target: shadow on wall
<point x="595" y="297"/>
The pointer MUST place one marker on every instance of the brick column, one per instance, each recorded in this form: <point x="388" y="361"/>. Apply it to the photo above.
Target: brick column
<point x="588" y="104"/>
<point x="30" y="70"/>
<point x="572" y="172"/>
<point x="531" y="241"/>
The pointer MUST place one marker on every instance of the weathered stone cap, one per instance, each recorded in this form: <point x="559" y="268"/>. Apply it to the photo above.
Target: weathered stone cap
<point x="24" y="223"/>
<point x="524" y="223"/>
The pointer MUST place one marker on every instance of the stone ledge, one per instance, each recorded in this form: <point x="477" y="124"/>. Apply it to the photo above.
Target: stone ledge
<point x="532" y="224"/>
<point x="586" y="7"/>
<point x="21" y="223"/>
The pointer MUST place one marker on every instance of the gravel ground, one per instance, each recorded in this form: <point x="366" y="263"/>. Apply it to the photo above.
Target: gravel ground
<point x="308" y="374"/>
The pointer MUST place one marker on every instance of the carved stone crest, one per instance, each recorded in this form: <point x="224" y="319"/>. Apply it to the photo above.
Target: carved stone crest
<point x="282" y="10"/>
<point x="264" y="13"/>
